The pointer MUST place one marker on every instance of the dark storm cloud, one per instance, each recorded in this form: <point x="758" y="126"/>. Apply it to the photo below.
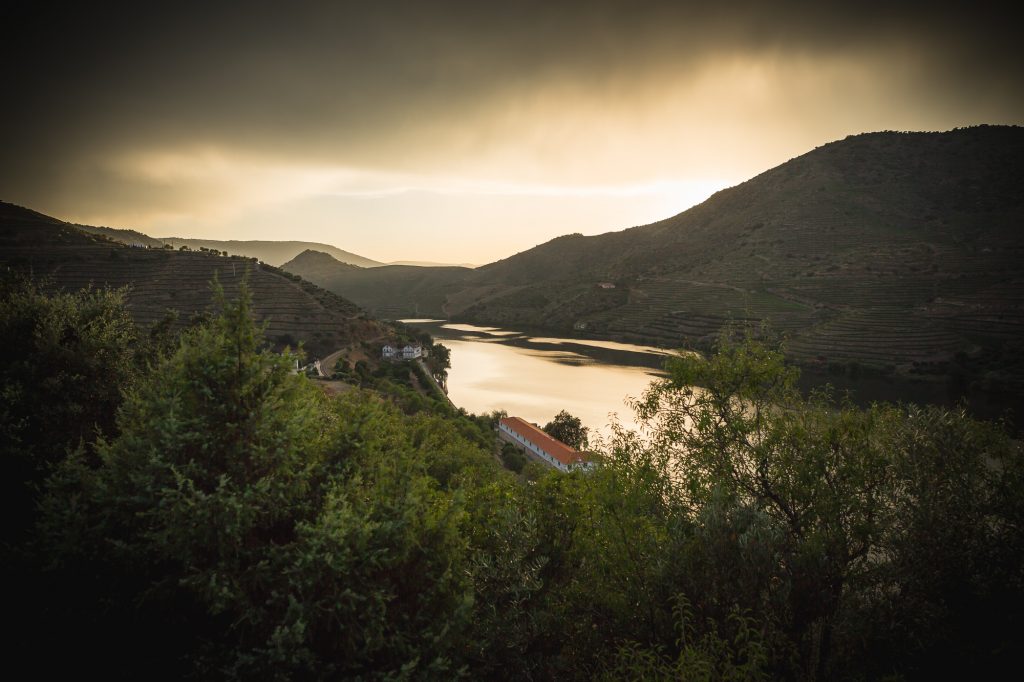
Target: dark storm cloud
<point x="378" y="84"/>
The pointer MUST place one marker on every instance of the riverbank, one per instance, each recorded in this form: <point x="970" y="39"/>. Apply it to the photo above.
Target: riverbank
<point x="862" y="385"/>
<point x="438" y="389"/>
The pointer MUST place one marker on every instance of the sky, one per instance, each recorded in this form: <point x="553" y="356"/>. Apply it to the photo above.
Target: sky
<point x="461" y="131"/>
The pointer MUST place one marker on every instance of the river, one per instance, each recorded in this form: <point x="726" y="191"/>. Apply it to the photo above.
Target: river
<point x="534" y="377"/>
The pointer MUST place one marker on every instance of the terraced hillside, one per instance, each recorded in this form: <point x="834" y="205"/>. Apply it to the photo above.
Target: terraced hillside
<point x="890" y="250"/>
<point x="163" y="279"/>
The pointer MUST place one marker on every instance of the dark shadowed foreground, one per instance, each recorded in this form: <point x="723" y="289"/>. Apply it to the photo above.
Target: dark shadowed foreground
<point x="233" y="521"/>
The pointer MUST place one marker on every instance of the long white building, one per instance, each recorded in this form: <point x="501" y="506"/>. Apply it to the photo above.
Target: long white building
<point x="551" y="451"/>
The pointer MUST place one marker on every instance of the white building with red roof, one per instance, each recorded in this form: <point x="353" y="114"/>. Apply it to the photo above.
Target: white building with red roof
<point x="530" y="438"/>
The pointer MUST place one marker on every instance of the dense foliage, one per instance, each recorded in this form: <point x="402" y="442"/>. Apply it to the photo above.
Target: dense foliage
<point x="66" y="360"/>
<point x="568" y="429"/>
<point x="234" y="522"/>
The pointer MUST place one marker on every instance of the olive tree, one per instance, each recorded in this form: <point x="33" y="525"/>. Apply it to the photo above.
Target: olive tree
<point x="569" y="430"/>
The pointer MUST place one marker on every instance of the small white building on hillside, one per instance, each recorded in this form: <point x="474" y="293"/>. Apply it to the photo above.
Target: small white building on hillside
<point x="394" y="351"/>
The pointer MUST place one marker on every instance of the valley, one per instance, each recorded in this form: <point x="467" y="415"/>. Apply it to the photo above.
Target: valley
<point x="586" y="341"/>
<point x="897" y="254"/>
<point x="894" y="257"/>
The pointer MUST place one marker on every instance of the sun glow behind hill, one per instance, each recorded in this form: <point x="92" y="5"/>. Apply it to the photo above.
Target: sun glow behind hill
<point x="456" y="219"/>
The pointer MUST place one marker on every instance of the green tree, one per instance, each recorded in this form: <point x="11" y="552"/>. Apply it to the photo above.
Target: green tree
<point x="512" y="457"/>
<point x="439" y="362"/>
<point x="243" y="525"/>
<point x="66" y="359"/>
<point x="845" y="503"/>
<point x="948" y="603"/>
<point x="569" y="430"/>
<point x="209" y="473"/>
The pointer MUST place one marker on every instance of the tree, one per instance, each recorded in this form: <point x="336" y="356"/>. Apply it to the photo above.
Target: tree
<point x="439" y="362"/>
<point x="66" y="360"/>
<point x="569" y="430"/>
<point x="241" y="525"/>
<point x="512" y="457"/>
<point x="878" y="518"/>
<point x="208" y="474"/>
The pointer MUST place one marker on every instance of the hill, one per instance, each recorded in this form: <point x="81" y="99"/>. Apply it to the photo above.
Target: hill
<point x="391" y="291"/>
<point x="272" y="252"/>
<point x="893" y="251"/>
<point x="163" y="280"/>
<point x="129" y="237"/>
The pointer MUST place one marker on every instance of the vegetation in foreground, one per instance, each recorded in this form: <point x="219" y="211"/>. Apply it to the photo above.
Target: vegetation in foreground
<point x="234" y="522"/>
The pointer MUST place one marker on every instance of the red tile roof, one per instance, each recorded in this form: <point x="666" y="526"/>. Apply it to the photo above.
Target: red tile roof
<point x="556" y="448"/>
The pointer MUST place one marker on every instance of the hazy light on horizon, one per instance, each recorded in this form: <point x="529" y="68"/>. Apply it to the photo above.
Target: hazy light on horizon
<point x="440" y="221"/>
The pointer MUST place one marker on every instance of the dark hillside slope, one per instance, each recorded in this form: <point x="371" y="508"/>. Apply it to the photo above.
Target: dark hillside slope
<point x="129" y="237"/>
<point x="162" y="280"/>
<point x="875" y="190"/>
<point x="897" y="251"/>
<point x="392" y="291"/>
<point x="890" y="249"/>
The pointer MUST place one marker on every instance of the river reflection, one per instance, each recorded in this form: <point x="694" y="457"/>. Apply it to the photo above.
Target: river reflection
<point x="535" y="377"/>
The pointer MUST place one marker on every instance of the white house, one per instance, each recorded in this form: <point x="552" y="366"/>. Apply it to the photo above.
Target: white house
<point x="410" y="351"/>
<point x="528" y="437"/>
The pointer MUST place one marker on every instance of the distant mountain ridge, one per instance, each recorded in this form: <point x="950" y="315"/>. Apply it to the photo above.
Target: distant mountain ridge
<point x="129" y="237"/>
<point x="269" y="251"/>
<point x="272" y="252"/>
<point x="889" y="250"/>
<point x="432" y="264"/>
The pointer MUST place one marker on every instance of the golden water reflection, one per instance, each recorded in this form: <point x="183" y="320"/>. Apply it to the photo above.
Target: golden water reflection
<point x="536" y="377"/>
